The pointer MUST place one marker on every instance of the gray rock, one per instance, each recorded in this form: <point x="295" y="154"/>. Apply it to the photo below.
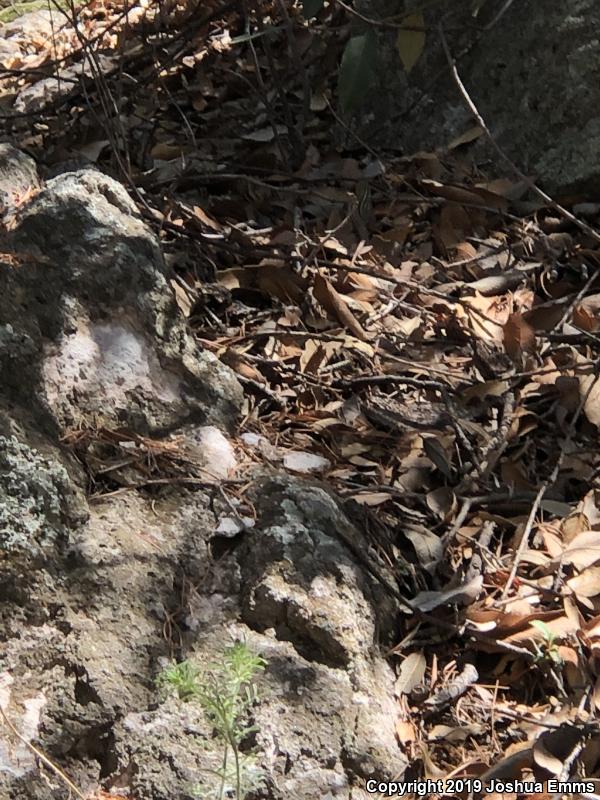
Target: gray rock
<point x="38" y="501"/>
<point x="95" y="601"/>
<point x="18" y="177"/>
<point x="533" y="75"/>
<point x="98" y="305"/>
<point x="304" y="587"/>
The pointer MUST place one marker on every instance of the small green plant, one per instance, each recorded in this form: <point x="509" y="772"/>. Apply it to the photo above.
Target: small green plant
<point x="226" y="692"/>
<point x="548" y="652"/>
<point x="182" y="677"/>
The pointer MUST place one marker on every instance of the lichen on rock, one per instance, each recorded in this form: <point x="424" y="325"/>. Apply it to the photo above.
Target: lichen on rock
<point x="38" y="502"/>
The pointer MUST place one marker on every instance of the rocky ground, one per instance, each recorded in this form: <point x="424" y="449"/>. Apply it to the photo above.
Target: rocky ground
<point x="262" y="381"/>
<point x="97" y="597"/>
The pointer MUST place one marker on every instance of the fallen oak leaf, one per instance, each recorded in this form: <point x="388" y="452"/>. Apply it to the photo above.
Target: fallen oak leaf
<point x="586" y="584"/>
<point x="463" y="595"/>
<point x="519" y="336"/>
<point x="411" y="674"/>
<point x="410" y="41"/>
<point x="453" y="689"/>
<point x="334" y="304"/>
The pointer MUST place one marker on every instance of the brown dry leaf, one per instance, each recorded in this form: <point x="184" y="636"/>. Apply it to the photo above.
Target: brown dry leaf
<point x="559" y="628"/>
<point x="552" y="542"/>
<point x="591" y="508"/>
<point x="312" y="356"/>
<point x="206" y="219"/>
<point x="182" y="298"/>
<point x="568" y="655"/>
<point x="589" y="388"/>
<point x="442" y="501"/>
<point x="487" y="316"/>
<point x="406" y="732"/>
<point x="166" y="151"/>
<point x="583" y="318"/>
<point x="464" y="251"/>
<point x="573" y="525"/>
<point x="237" y="362"/>
<point x="235" y="277"/>
<point x="361" y="288"/>
<point x="334" y="304"/>
<point x="333" y="244"/>
<point x="504" y="624"/>
<point x="514" y="475"/>
<point x="453" y="226"/>
<point x="586" y="314"/>
<point x="390" y="242"/>
<point x="519" y="336"/>
<point x="467" y="137"/>
<point x="586" y="584"/>
<point x="411" y="40"/>
<point x="583" y="551"/>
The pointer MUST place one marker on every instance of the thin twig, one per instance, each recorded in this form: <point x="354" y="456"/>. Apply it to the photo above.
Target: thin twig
<point x="37" y="752"/>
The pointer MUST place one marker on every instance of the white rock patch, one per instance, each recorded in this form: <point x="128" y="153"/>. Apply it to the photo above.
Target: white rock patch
<point x="107" y="360"/>
<point x="15" y="757"/>
<point x="211" y="449"/>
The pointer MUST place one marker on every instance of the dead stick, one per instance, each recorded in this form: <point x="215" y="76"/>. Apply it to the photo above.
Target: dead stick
<point x="41" y="756"/>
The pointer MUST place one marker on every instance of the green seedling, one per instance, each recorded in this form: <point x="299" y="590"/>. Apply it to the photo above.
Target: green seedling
<point x="226" y="692"/>
<point x="548" y="652"/>
<point x="182" y="678"/>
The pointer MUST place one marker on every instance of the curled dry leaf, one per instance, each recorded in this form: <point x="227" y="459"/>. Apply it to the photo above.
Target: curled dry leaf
<point x="589" y="394"/>
<point x="411" y="40"/>
<point x="583" y="551"/>
<point x="411" y="674"/>
<point x="519" y="336"/>
<point x="573" y="525"/>
<point x="587" y="584"/>
<point x="462" y="595"/>
<point x="335" y="304"/>
<point x="558" y="628"/>
<point x="442" y="501"/>
<point x="553" y="747"/>
<point x="454" y="689"/>
<point x="428" y="546"/>
<point x="406" y="731"/>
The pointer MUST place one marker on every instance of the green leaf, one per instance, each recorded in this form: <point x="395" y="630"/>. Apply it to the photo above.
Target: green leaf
<point x="410" y="42"/>
<point x="310" y="8"/>
<point x="543" y="628"/>
<point x="357" y="70"/>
